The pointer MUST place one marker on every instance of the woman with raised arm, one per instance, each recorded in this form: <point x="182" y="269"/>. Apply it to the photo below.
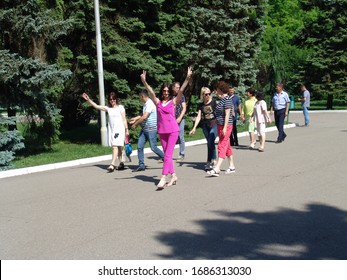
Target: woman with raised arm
<point x="117" y="127"/>
<point x="168" y="128"/>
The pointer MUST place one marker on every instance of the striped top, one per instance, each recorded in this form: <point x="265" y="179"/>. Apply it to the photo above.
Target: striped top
<point x="225" y="103"/>
<point x="150" y="124"/>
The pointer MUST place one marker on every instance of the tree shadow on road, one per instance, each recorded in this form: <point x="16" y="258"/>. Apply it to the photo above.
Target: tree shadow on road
<point x="318" y="232"/>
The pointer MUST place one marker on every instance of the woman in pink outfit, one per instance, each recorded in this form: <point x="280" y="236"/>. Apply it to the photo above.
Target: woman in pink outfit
<point x="168" y="128"/>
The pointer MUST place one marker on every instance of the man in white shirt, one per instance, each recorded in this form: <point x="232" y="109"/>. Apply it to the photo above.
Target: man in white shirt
<point x="148" y="121"/>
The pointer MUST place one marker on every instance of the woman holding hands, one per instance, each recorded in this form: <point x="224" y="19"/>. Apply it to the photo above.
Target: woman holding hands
<point x="168" y="128"/>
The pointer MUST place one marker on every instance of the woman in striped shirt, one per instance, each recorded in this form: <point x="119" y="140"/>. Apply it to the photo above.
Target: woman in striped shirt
<point x="224" y="116"/>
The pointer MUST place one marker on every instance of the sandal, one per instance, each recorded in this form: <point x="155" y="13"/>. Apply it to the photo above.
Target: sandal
<point x="213" y="172"/>
<point x="111" y="168"/>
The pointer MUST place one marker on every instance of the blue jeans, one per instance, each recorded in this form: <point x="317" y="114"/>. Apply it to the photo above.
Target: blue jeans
<point x="307" y="118"/>
<point x="180" y="139"/>
<point x="210" y="133"/>
<point x="151" y="137"/>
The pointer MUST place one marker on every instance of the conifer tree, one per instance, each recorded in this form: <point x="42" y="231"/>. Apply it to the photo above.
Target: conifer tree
<point x="224" y="40"/>
<point x="29" y="80"/>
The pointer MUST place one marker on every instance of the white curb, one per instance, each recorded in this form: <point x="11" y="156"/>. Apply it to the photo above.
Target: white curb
<point x="53" y="166"/>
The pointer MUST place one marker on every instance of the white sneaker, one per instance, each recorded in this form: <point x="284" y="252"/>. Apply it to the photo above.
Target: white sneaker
<point x="230" y="170"/>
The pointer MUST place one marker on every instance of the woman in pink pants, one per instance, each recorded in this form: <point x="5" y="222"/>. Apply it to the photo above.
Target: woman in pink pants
<point x="168" y="128"/>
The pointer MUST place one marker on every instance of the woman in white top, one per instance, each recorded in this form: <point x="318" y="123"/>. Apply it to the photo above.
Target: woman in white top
<point x="260" y="117"/>
<point x="117" y="127"/>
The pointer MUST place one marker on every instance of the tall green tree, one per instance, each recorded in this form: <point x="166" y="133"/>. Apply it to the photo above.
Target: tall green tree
<point x="225" y="40"/>
<point x="325" y="33"/>
<point x="30" y="81"/>
<point x="280" y="58"/>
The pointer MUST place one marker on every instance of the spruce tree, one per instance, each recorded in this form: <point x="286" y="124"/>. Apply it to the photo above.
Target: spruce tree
<point x="29" y="80"/>
<point x="224" y="40"/>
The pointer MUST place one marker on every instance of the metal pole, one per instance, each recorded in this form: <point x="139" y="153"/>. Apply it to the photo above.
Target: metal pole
<point x="103" y="129"/>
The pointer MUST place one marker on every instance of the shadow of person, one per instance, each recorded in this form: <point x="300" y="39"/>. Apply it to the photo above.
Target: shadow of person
<point x="319" y="232"/>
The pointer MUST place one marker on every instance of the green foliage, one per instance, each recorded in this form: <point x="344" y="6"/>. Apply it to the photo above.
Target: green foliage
<point x="224" y="36"/>
<point x="10" y="142"/>
<point x="34" y="86"/>
<point x="325" y="34"/>
<point x="32" y="32"/>
<point x="280" y="59"/>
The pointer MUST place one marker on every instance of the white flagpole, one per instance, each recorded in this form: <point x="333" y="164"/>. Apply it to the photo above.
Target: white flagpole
<point x="103" y="129"/>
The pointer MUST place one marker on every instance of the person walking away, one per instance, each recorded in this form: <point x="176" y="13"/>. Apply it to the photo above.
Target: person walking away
<point x="260" y="117"/>
<point x="168" y="128"/>
<point x="117" y="127"/>
<point x="305" y="103"/>
<point x="148" y="133"/>
<point x="234" y="141"/>
<point x="180" y="111"/>
<point x="207" y="119"/>
<point x="280" y="108"/>
<point x="246" y="115"/>
<point x="224" y="128"/>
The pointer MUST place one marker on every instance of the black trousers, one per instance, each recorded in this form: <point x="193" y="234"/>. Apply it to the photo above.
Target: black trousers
<point x="279" y="121"/>
<point x="234" y="141"/>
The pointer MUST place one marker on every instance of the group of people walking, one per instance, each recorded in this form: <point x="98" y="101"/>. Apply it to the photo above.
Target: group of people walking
<point x="163" y="114"/>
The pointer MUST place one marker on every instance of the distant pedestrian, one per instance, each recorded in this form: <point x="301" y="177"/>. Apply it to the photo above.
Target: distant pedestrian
<point x="246" y="115"/>
<point x="280" y="105"/>
<point x="224" y="118"/>
<point x="234" y="141"/>
<point x="168" y="128"/>
<point x="260" y="118"/>
<point x="148" y="122"/>
<point x="207" y="119"/>
<point x="117" y="127"/>
<point x="305" y="103"/>
<point x="180" y="110"/>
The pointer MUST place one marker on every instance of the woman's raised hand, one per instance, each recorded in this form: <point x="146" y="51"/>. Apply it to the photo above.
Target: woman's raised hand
<point x="143" y="76"/>
<point x="189" y="72"/>
<point x="85" y="96"/>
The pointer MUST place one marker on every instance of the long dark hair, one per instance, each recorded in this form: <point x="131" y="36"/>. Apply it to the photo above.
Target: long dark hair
<point x="164" y="85"/>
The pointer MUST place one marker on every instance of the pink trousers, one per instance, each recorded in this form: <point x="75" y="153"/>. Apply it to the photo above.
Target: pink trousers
<point x="168" y="142"/>
<point x="224" y="147"/>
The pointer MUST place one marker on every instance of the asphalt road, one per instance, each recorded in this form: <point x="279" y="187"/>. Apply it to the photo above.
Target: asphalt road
<point x="289" y="202"/>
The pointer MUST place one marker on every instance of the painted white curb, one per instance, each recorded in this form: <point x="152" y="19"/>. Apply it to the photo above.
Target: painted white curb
<point x="53" y="166"/>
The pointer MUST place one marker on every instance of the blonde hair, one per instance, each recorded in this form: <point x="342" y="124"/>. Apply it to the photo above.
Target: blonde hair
<point x="202" y="92"/>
